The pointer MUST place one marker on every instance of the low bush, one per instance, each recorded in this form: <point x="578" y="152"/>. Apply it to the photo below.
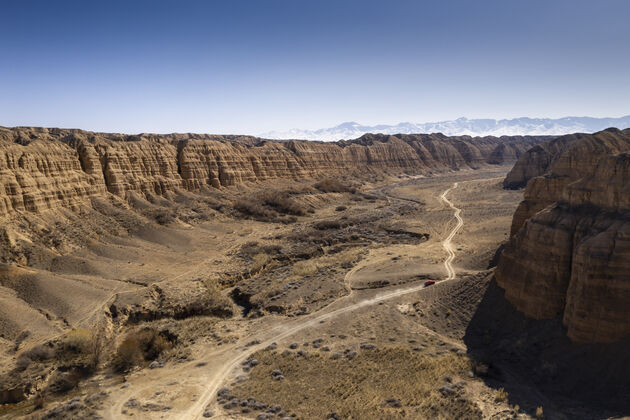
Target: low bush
<point x="83" y="344"/>
<point x="139" y="346"/>
<point x="328" y="224"/>
<point x="340" y="208"/>
<point x="329" y="185"/>
<point x="254" y="209"/>
<point x="78" y="341"/>
<point x="163" y="216"/>
<point x="500" y="395"/>
<point x="304" y="268"/>
<point x="128" y="355"/>
<point x="64" y="381"/>
<point x="259" y="262"/>
<point x="252" y="248"/>
<point x="281" y="202"/>
<point x="39" y="353"/>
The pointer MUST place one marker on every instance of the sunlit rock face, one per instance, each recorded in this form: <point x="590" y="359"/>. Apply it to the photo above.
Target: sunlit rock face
<point x="42" y="169"/>
<point x="569" y="253"/>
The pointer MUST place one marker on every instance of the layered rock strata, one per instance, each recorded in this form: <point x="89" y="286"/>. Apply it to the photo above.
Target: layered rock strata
<point x="538" y="160"/>
<point x="569" y="253"/>
<point x="53" y="168"/>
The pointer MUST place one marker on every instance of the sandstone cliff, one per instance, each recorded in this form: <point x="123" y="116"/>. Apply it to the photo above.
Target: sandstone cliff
<point x="569" y="254"/>
<point x="53" y="168"/>
<point x="538" y="160"/>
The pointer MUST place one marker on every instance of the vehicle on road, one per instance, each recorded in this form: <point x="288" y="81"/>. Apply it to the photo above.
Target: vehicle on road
<point x="429" y="283"/>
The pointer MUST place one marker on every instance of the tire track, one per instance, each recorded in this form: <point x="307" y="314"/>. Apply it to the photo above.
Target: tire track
<point x="215" y="378"/>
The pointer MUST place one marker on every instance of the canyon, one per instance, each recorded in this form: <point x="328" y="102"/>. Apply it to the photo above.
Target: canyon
<point x="217" y="250"/>
<point x="569" y="251"/>
<point x="49" y="168"/>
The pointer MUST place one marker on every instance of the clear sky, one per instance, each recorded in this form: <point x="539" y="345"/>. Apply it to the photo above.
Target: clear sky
<point x="236" y="66"/>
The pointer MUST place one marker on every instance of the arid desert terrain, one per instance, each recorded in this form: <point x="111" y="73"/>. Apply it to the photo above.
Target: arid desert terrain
<point x="382" y="278"/>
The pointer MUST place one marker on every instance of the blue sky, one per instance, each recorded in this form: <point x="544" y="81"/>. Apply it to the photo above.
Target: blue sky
<point x="238" y="66"/>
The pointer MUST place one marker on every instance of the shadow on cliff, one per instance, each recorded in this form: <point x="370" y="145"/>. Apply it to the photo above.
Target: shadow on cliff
<point x="538" y="365"/>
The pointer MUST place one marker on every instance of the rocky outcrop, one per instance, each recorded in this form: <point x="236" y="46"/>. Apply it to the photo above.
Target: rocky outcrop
<point x="569" y="254"/>
<point x="41" y="175"/>
<point x="576" y="159"/>
<point x="538" y="160"/>
<point x="53" y="168"/>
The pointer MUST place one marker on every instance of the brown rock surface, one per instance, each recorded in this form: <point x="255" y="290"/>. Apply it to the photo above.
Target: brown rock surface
<point x="569" y="254"/>
<point x="53" y="168"/>
<point x="538" y="160"/>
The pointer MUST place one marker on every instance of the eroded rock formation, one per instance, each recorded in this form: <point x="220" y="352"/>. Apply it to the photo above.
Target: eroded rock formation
<point x="53" y="168"/>
<point x="538" y="160"/>
<point x="569" y="253"/>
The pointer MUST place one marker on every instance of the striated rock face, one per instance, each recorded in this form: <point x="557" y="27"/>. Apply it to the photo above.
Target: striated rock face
<point x="43" y="174"/>
<point x="569" y="254"/>
<point x="53" y="168"/>
<point x="538" y="160"/>
<point x="577" y="159"/>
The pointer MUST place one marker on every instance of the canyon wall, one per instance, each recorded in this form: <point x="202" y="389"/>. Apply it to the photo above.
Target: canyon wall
<point x="538" y="160"/>
<point x="569" y="252"/>
<point x="42" y="168"/>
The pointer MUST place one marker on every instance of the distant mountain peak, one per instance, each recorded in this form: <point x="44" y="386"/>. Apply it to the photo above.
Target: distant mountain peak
<point x="460" y="126"/>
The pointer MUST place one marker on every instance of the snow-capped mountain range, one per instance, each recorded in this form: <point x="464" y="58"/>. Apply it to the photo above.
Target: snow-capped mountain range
<point x="460" y="126"/>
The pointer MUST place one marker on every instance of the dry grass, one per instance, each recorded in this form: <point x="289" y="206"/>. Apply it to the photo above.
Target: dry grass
<point x="304" y="268"/>
<point x="500" y="395"/>
<point x="282" y="203"/>
<point x="260" y="260"/>
<point x="328" y="224"/>
<point x="329" y="185"/>
<point x="39" y="353"/>
<point x="137" y="347"/>
<point x="316" y="385"/>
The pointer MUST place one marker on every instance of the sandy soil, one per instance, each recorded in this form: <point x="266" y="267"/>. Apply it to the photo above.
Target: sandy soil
<point x="226" y="363"/>
<point x="362" y="282"/>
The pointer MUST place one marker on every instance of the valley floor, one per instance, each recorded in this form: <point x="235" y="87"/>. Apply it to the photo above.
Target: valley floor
<point x="331" y="317"/>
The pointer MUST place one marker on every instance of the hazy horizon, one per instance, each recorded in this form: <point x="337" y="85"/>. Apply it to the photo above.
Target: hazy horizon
<point x="250" y="67"/>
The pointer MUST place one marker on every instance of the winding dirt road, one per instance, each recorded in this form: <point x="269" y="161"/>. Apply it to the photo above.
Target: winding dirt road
<point x="446" y="243"/>
<point x="226" y="361"/>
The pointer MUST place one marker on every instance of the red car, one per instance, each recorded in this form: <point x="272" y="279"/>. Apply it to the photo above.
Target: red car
<point x="429" y="283"/>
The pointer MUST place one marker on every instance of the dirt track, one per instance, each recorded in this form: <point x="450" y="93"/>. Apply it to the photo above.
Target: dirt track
<point x="221" y="364"/>
<point x="446" y="244"/>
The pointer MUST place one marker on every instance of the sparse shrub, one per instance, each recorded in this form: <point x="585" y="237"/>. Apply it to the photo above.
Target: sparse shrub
<point x="39" y="353"/>
<point x="340" y="208"/>
<point x="78" y="341"/>
<point x="251" y="248"/>
<point x="23" y="362"/>
<point x="328" y="224"/>
<point x="481" y="369"/>
<point x="539" y="412"/>
<point x="329" y="185"/>
<point x="500" y="395"/>
<point x="281" y="203"/>
<point x="153" y="343"/>
<point x="139" y="346"/>
<point x="163" y="216"/>
<point x="254" y="209"/>
<point x="81" y="343"/>
<point x="304" y="268"/>
<point x="128" y="355"/>
<point x="38" y="401"/>
<point x="64" y="381"/>
<point x="260" y="261"/>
